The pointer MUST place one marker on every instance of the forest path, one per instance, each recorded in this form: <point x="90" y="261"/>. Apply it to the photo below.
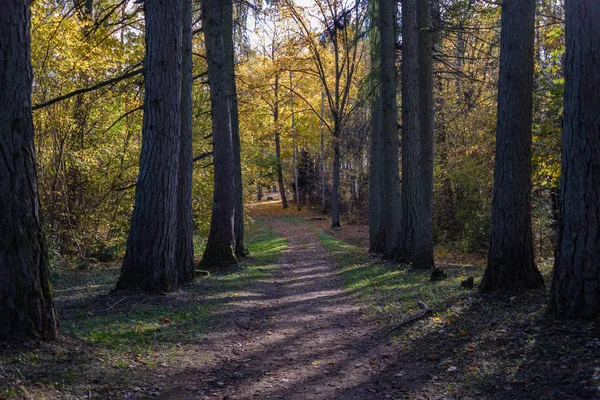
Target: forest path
<point x="299" y="335"/>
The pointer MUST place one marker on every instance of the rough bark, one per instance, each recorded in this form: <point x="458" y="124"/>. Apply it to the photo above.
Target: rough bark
<point x="511" y="263"/>
<point x="240" y="247"/>
<point x="26" y="307"/>
<point x="575" y="288"/>
<point x="423" y="257"/>
<point x="390" y="196"/>
<point x="410" y="132"/>
<point x="278" y="144"/>
<point x="149" y="262"/>
<point x="220" y="247"/>
<point x="376" y="231"/>
<point x="184" y="253"/>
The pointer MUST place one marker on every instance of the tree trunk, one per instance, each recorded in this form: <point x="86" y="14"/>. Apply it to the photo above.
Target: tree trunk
<point x="278" y="144"/>
<point x="410" y="132"/>
<point x="376" y="226"/>
<point x="220" y="247"/>
<point x="26" y="307"/>
<point x="423" y="257"/>
<point x="575" y="288"/>
<point x="149" y="262"/>
<point x="295" y="151"/>
<point x="335" y="184"/>
<point x="390" y="196"/>
<point x="184" y="253"/>
<point x="511" y="263"/>
<point x="323" y="200"/>
<point x="227" y="16"/>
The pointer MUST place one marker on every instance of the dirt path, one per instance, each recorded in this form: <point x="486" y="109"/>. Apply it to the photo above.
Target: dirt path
<point x="299" y="336"/>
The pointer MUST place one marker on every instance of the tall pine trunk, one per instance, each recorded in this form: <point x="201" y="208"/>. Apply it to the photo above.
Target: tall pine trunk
<point x="511" y="263"/>
<point x="26" y="307"/>
<point x="575" y="288"/>
<point x="390" y="196"/>
<point x="184" y="253"/>
<point x="376" y="225"/>
<point x="228" y="45"/>
<point x="220" y="247"/>
<point x="149" y="262"/>
<point x="423" y="257"/>
<point x="410" y="131"/>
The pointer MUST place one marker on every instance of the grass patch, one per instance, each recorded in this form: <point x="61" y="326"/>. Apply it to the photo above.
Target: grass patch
<point x="113" y="339"/>
<point x="392" y="290"/>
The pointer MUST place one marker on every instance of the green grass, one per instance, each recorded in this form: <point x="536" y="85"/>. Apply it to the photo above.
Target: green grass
<point x="133" y="332"/>
<point x="142" y="322"/>
<point x="391" y="291"/>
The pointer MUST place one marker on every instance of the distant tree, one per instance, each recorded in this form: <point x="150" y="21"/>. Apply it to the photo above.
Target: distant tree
<point x="510" y="259"/>
<point x="149" y="262"/>
<point x="26" y="307"/>
<point x="343" y="24"/>
<point x="575" y="288"/>
<point x="220" y="247"/>
<point x="184" y="254"/>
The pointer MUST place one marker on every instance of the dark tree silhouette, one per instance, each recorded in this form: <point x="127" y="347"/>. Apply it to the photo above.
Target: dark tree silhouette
<point x="26" y="307"/>
<point x="510" y="260"/>
<point x="575" y="288"/>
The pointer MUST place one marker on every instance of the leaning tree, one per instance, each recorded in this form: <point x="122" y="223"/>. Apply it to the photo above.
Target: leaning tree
<point x="26" y="307"/>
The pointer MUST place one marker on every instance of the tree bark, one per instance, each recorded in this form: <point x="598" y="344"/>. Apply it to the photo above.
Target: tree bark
<point x="26" y="307"/>
<point x="376" y="227"/>
<point x="511" y="263"/>
<point x="220" y="247"/>
<point x="322" y="157"/>
<point x="240" y="247"/>
<point x="410" y="131"/>
<point x="335" y="181"/>
<point x="390" y="196"/>
<point x="149" y="262"/>
<point x="278" y="144"/>
<point x="184" y="253"/>
<point x="423" y="257"/>
<point x="295" y="151"/>
<point x="575" y="290"/>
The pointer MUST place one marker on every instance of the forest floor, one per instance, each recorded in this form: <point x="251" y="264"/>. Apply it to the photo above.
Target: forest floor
<point x="311" y="315"/>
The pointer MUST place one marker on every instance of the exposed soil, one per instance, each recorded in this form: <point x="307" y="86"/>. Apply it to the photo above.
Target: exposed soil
<point x="302" y="337"/>
<point x="299" y="334"/>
